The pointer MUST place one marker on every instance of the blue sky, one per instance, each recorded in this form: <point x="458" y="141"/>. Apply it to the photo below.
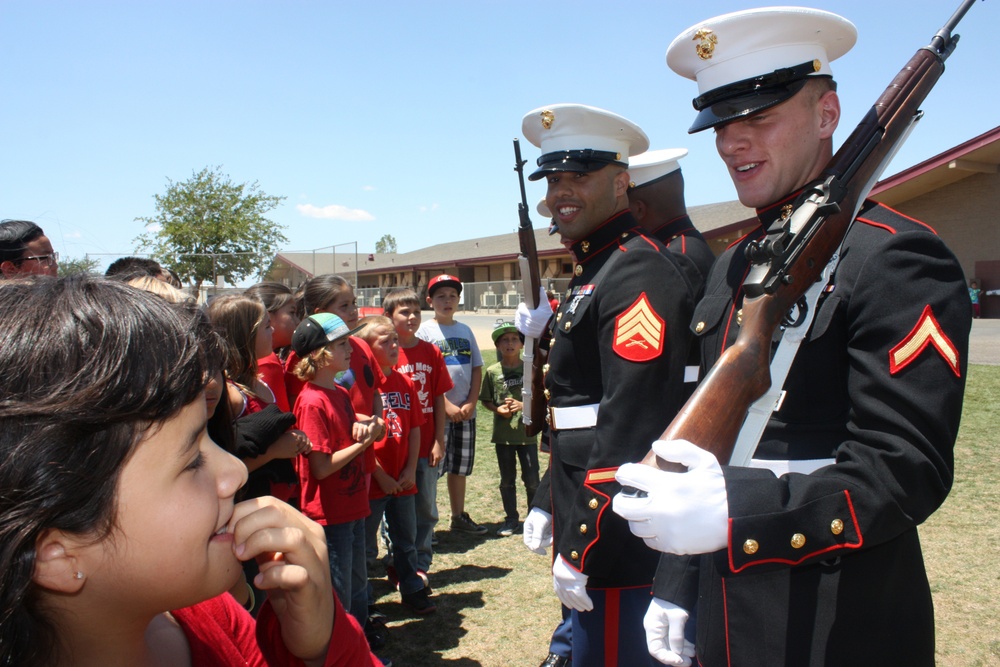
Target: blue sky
<point x="385" y="117"/>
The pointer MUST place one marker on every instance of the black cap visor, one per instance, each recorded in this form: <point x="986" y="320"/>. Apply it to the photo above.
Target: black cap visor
<point x="742" y="98"/>
<point x="581" y="161"/>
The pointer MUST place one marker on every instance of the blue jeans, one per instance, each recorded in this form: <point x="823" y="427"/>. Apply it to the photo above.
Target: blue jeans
<point x="348" y="569"/>
<point x="401" y="521"/>
<point x="507" y="458"/>
<point x="426" y="512"/>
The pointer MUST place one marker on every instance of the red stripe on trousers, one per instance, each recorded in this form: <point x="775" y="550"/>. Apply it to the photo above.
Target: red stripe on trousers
<point x="612" y="611"/>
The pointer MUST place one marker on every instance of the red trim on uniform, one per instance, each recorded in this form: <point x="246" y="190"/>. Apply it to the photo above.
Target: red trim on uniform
<point x="646" y="239"/>
<point x="725" y="621"/>
<point x="597" y="524"/>
<point x="927" y="331"/>
<point x="877" y="224"/>
<point x="805" y="557"/>
<point x="903" y="215"/>
<point x="612" y="618"/>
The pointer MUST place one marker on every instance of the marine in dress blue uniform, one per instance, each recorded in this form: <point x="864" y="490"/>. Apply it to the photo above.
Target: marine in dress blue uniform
<point x="620" y="340"/>
<point x="822" y="565"/>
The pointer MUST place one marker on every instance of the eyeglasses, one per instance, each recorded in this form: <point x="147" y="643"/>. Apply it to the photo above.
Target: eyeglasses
<point x="51" y="260"/>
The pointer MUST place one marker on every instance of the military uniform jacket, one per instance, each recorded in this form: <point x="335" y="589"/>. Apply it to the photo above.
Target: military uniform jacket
<point x="826" y="568"/>
<point x="619" y="340"/>
<point x="689" y="247"/>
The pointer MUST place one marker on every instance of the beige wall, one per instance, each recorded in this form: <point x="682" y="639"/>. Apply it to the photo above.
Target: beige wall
<point x="965" y="215"/>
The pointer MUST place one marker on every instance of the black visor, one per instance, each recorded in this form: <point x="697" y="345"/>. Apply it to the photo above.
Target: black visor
<point x="580" y="161"/>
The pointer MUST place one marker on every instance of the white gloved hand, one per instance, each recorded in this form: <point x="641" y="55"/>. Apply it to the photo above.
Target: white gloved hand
<point x="664" y="623"/>
<point x="538" y="530"/>
<point x="532" y="323"/>
<point x="571" y="586"/>
<point x="683" y="512"/>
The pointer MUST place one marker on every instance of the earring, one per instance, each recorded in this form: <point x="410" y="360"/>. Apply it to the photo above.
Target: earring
<point x="78" y="575"/>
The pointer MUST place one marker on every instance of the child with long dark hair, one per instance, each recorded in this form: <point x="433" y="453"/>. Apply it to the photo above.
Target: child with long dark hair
<point x="119" y="534"/>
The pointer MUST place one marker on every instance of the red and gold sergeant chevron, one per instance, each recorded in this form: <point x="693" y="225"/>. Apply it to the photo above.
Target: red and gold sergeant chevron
<point x="639" y="332"/>
<point x="926" y="332"/>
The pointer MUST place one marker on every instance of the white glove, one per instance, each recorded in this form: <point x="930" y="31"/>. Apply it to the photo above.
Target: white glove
<point x="532" y="323"/>
<point x="538" y="530"/>
<point x="664" y="623"/>
<point x="683" y="512"/>
<point x="571" y="586"/>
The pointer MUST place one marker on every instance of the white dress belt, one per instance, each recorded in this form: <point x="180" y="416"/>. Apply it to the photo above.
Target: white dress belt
<point x="779" y="468"/>
<point x="580" y="416"/>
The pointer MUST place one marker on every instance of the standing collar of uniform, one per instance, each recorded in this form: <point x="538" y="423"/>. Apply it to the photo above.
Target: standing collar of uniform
<point x="772" y="212"/>
<point x="613" y="229"/>
<point x="672" y="228"/>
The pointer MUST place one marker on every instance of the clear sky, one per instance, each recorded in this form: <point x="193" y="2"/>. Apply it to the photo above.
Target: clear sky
<point x="386" y="117"/>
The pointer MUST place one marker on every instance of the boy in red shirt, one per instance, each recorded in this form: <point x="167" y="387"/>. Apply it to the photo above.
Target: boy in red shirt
<point x="334" y="486"/>
<point x="423" y="363"/>
<point x="394" y="486"/>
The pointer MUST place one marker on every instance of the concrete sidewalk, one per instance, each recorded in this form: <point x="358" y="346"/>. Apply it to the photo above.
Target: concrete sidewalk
<point x="984" y="341"/>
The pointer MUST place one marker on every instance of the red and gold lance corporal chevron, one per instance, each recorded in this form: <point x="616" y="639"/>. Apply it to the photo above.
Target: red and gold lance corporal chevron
<point x="639" y="332"/>
<point x="926" y="332"/>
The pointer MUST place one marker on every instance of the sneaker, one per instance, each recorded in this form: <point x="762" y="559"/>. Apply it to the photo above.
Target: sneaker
<point x="434" y="540"/>
<point x="427" y="582"/>
<point x="508" y="528"/>
<point x="419" y="603"/>
<point x="376" y="634"/>
<point x="465" y="524"/>
<point x="385" y="660"/>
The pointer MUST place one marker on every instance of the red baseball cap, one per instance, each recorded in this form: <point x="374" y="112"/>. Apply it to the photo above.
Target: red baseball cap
<point x="444" y="280"/>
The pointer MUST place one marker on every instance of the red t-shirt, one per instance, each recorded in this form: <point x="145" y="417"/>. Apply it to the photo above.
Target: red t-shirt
<point x="273" y="375"/>
<point x="326" y="416"/>
<point x="361" y="379"/>
<point x="221" y="633"/>
<point x="401" y="411"/>
<point x="424" y="365"/>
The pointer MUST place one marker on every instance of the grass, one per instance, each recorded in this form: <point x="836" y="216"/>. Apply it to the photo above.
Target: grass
<point x="496" y="606"/>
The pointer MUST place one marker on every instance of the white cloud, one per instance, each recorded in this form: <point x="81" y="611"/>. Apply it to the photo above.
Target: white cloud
<point x="425" y="209"/>
<point x="369" y="188"/>
<point x="335" y="212"/>
<point x="154" y="227"/>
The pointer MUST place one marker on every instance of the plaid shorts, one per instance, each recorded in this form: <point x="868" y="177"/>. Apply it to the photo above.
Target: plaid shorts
<point x="459" y="447"/>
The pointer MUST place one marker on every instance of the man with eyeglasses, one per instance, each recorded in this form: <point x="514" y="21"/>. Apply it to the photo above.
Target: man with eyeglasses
<point x="25" y="250"/>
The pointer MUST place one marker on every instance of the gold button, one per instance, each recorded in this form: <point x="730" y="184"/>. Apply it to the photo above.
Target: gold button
<point x="585" y="246"/>
<point x="578" y="270"/>
<point x="545" y="368"/>
<point x="558" y="316"/>
<point x="739" y="317"/>
<point x="583" y="529"/>
<point x="593" y="503"/>
<point x="624" y="235"/>
<point x="698" y="328"/>
<point x="836" y="526"/>
<point x="798" y="541"/>
<point x="567" y="326"/>
<point x="574" y="555"/>
<point x="547" y="394"/>
<point x="750" y="547"/>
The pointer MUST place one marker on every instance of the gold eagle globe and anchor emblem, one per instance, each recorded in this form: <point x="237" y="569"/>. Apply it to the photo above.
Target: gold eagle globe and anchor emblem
<point x="707" y="40"/>
<point x="547" y="118"/>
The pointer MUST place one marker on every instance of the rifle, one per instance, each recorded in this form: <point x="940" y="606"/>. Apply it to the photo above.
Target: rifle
<point x="532" y="391"/>
<point x="797" y="248"/>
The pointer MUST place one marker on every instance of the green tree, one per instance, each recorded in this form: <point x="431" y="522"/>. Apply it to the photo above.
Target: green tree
<point x="385" y="244"/>
<point x="208" y="226"/>
<point x="69" y="266"/>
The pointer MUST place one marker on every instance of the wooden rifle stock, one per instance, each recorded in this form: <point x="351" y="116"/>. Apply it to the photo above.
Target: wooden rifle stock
<point x="795" y="251"/>
<point x="535" y="355"/>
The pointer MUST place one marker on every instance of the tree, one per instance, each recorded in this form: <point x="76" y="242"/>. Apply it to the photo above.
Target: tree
<point x="209" y="226"/>
<point x="70" y="266"/>
<point x="385" y="244"/>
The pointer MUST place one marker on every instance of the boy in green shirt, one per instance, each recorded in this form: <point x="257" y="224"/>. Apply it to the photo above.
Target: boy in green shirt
<point x="501" y="395"/>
